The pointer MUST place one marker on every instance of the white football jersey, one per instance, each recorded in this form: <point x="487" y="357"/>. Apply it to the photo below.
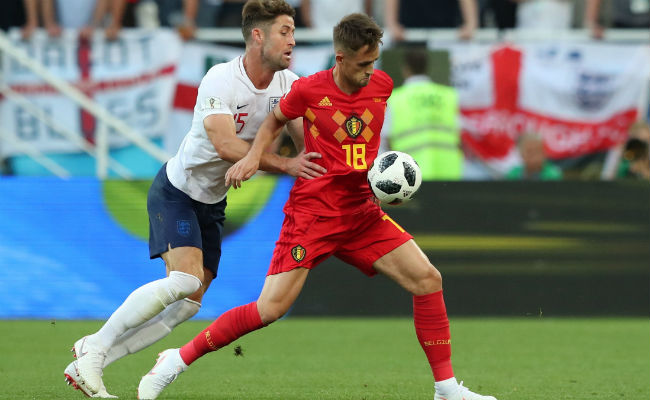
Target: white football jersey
<point x="197" y="169"/>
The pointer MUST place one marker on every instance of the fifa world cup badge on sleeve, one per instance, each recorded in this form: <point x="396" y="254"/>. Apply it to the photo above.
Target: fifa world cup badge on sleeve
<point x="211" y="103"/>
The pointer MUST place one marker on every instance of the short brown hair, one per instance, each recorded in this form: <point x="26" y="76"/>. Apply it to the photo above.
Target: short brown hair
<point x="262" y="13"/>
<point x="355" y="31"/>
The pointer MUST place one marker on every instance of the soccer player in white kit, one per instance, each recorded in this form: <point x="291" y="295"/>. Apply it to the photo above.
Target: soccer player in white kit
<point x="187" y="199"/>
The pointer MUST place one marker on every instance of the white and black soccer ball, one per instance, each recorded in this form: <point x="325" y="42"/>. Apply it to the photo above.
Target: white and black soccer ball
<point x="394" y="177"/>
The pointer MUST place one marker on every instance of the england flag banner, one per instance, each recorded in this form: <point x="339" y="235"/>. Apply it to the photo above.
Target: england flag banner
<point x="132" y="77"/>
<point x="580" y="97"/>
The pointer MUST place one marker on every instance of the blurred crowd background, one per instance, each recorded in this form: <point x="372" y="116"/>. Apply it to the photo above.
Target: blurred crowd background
<point x="485" y="89"/>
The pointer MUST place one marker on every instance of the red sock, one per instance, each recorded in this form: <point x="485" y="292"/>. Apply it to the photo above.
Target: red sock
<point x="432" y="329"/>
<point x="229" y="327"/>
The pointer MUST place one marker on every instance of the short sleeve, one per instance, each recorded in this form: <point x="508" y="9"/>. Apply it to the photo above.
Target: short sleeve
<point x="292" y="104"/>
<point x="215" y="92"/>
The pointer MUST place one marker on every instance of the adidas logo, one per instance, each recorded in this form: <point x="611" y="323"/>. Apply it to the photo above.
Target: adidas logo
<point x="325" y="102"/>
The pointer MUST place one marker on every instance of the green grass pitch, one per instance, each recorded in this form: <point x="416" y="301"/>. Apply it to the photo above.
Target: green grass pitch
<point x="356" y="359"/>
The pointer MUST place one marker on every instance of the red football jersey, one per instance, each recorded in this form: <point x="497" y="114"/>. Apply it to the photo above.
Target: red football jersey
<point x="345" y="130"/>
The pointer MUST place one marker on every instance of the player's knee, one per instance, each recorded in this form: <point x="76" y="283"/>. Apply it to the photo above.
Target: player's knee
<point x="198" y="295"/>
<point x="271" y="312"/>
<point x="179" y="286"/>
<point x="182" y="285"/>
<point x="429" y="282"/>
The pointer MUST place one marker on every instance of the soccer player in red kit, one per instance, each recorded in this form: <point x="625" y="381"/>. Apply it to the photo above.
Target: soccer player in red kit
<point x="334" y="214"/>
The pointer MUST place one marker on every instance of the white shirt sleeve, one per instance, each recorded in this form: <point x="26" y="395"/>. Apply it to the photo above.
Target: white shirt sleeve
<point x="215" y="92"/>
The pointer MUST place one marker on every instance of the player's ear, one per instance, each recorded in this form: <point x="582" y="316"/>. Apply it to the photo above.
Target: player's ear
<point x="339" y="56"/>
<point x="257" y="34"/>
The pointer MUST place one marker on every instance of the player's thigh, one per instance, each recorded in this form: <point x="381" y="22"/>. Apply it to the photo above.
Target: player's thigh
<point x="211" y="219"/>
<point x="304" y="242"/>
<point x="371" y="234"/>
<point x="410" y="268"/>
<point x="174" y="231"/>
<point x="279" y="293"/>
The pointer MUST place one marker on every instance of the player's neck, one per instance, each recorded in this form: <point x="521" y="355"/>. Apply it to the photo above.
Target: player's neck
<point x="342" y="84"/>
<point x="259" y="75"/>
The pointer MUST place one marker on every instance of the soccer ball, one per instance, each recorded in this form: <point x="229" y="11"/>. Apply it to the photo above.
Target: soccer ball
<point x="394" y="177"/>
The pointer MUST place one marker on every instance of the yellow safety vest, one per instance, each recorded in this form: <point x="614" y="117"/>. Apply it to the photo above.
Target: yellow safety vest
<point x="424" y="124"/>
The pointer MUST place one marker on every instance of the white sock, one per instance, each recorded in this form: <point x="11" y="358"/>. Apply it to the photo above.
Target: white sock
<point x="136" y="339"/>
<point x="447" y="386"/>
<point x="143" y="304"/>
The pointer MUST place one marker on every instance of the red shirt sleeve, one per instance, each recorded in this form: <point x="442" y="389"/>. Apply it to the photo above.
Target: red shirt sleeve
<point x="292" y="104"/>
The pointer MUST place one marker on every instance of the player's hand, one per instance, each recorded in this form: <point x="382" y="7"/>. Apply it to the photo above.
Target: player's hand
<point x="241" y="171"/>
<point x="301" y="166"/>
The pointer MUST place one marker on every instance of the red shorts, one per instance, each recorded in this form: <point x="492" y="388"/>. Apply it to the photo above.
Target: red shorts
<point x="358" y="239"/>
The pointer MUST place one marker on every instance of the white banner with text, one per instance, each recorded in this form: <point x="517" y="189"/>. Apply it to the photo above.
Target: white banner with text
<point x="132" y="77"/>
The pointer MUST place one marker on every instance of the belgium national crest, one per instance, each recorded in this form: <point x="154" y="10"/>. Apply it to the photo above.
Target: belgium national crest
<point x="298" y="253"/>
<point x="354" y="126"/>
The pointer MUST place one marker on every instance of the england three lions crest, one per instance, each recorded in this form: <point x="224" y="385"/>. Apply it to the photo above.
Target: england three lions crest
<point x="594" y="90"/>
<point x="273" y="101"/>
<point x="184" y="227"/>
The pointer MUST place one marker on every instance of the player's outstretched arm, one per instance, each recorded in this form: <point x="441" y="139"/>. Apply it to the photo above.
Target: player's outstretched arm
<point x="248" y="165"/>
<point x="221" y="131"/>
<point x="256" y="158"/>
<point x="300" y="165"/>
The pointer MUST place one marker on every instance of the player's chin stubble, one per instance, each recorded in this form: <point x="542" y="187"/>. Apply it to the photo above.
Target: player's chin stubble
<point x="277" y="63"/>
<point x="363" y="82"/>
